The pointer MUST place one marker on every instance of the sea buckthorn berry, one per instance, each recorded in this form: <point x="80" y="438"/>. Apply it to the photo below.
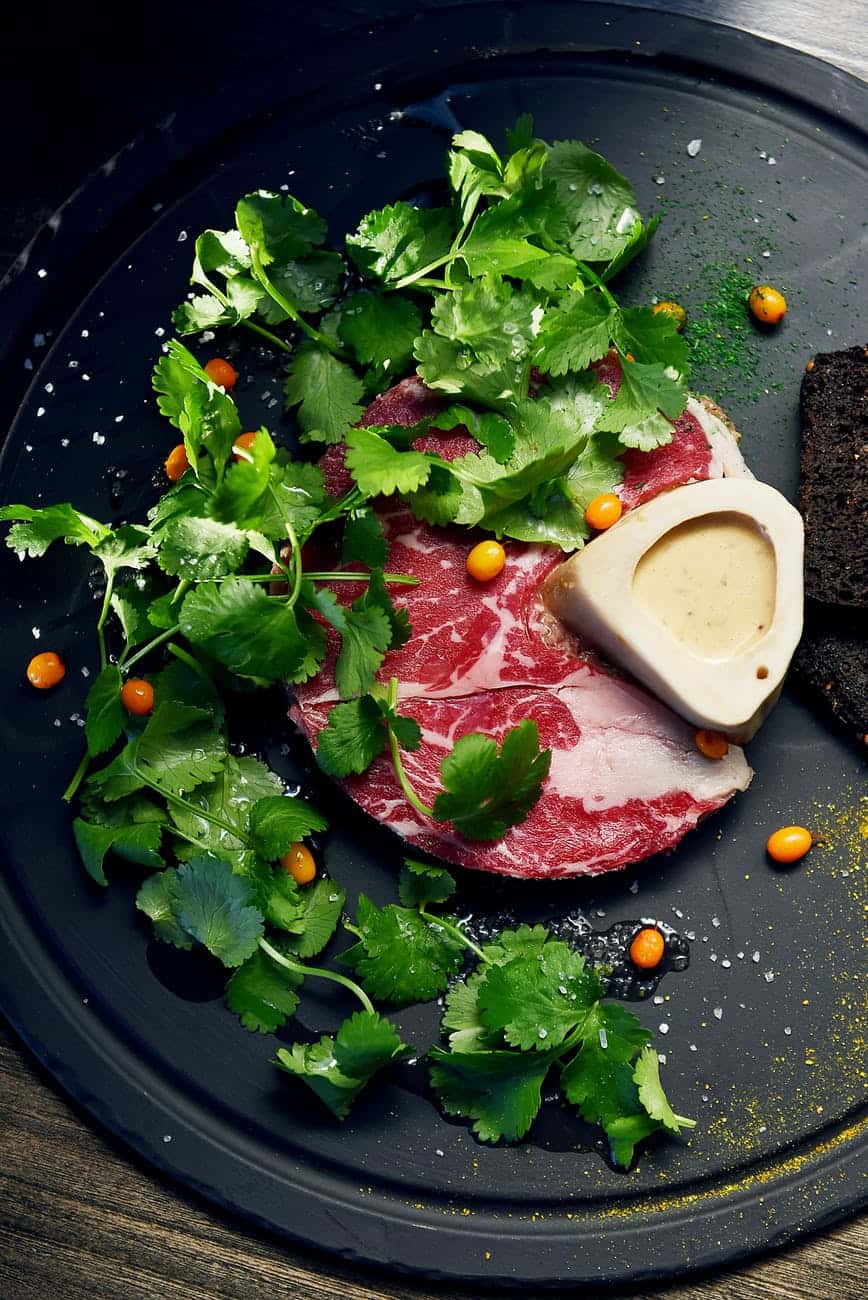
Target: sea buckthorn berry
<point x="177" y="463"/>
<point x="712" y="744"/>
<point x="221" y="372"/>
<point x="299" y="862"/>
<point x="603" y="511"/>
<point x="137" y="696"/>
<point x="244" y="442"/>
<point x="809" y="365"/>
<point x="673" y="309"/>
<point x="647" y="948"/>
<point x="46" y="670"/>
<point x="767" y="304"/>
<point x="789" y="844"/>
<point x="486" y="561"/>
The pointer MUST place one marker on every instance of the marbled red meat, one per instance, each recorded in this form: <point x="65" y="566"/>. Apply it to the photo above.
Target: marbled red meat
<point x="626" y="779"/>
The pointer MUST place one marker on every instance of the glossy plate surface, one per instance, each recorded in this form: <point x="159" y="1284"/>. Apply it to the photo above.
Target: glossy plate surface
<point x="761" y="1034"/>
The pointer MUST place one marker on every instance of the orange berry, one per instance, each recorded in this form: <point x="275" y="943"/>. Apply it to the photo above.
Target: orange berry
<point x="672" y="309"/>
<point x="221" y="372"/>
<point x="789" y="844"/>
<point x="243" y="442"/>
<point x="46" y="670"/>
<point x="767" y="304"/>
<point x="486" y="561"/>
<point x="603" y="511"/>
<point x="712" y="744"/>
<point x="299" y="862"/>
<point x="137" y="696"/>
<point x="647" y="948"/>
<point x="177" y="463"/>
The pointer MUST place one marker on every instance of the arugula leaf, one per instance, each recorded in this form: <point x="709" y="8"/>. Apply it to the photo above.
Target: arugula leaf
<point x="105" y="713"/>
<point x="353" y="737"/>
<point x="486" y="792"/>
<point x="139" y="843"/>
<point x="378" y="468"/>
<point x="37" y="529"/>
<point x="326" y="391"/>
<point x="421" y="883"/>
<point x="574" y="333"/>
<point x="599" y="201"/>
<point x="321" y="904"/>
<point x="401" y="957"/>
<point x="201" y="549"/>
<point x="364" y="541"/>
<point x="262" y="994"/>
<point x="212" y="905"/>
<point x="180" y="747"/>
<point x="645" y="392"/>
<point x="277" y="821"/>
<point x="156" y="898"/>
<point x="249" y="632"/>
<point x="399" y="240"/>
<point x="646" y="1076"/>
<point x="380" y="329"/>
<point x="491" y="430"/>
<point x="337" y="1069"/>
<point x="536" y="1001"/>
<point x="500" y="1091"/>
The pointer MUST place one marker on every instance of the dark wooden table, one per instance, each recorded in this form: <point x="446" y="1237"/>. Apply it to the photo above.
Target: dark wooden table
<point x="80" y="1217"/>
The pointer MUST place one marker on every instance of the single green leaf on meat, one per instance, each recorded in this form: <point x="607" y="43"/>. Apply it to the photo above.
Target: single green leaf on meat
<point x="401" y="957"/>
<point x="440" y="500"/>
<point x="365" y="637"/>
<point x="315" y="641"/>
<point x="250" y="633"/>
<point x="378" y="469"/>
<point x="276" y="822"/>
<point x="535" y="1002"/>
<point x="501" y="1091"/>
<point x="105" y="713"/>
<point x="180" y="747"/>
<point x="135" y="842"/>
<point x="377" y="596"/>
<point x="277" y="227"/>
<point x="574" y="333"/>
<point x="202" y="549"/>
<point x="33" y="531"/>
<point x="598" y="200"/>
<point x="646" y="395"/>
<point x="498" y="323"/>
<point x="380" y="329"/>
<point x="296" y="493"/>
<point x="492" y="431"/>
<point x="156" y="898"/>
<point x="421" y="883"/>
<point x="487" y="791"/>
<point x="353" y="737"/>
<point x="321" y="904"/>
<point x="326" y="391"/>
<point x="400" y="240"/>
<point x="337" y="1069"/>
<point x="213" y="905"/>
<point x="651" y="336"/>
<point x="364" y="541"/>
<point x="262" y="994"/>
<point x="453" y="369"/>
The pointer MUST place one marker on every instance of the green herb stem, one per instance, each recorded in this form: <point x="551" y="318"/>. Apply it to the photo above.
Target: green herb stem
<point x="267" y="334"/>
<point x="150" y="645"/>
<point x="77" y="778"/>
<point x="456" y="932"/>
<point x="103" y="615"/>
<point x="190" y="807"/>
<point x="289" y="307"/>
<point x="192" y="663"/>
<point x="594" y="279"/>
<point x="397" y="763"/>
<point x="299" y="968"/>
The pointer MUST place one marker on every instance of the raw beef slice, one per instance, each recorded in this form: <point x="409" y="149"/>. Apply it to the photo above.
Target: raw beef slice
<point x="626" y="778"/>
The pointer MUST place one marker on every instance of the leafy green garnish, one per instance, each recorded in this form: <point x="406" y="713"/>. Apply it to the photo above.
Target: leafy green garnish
<point x="338" y="1068"/>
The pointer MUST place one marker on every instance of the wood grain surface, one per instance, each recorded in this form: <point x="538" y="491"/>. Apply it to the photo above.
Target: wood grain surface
<point x="83" y="1219"/>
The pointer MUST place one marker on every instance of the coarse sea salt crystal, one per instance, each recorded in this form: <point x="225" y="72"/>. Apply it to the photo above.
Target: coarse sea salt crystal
<point x="694" y="147"/>
<point x="36" y="632"/>
<point x="182" y="236"/>
<point x="663" y="1027"/>
<point x="718" y="1013"/>
<point x="98" y="438"/>
<point x="40" y="411"/>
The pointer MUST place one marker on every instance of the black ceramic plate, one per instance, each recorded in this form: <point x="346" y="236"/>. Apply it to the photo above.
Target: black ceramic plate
<point x="761" y="1035"/>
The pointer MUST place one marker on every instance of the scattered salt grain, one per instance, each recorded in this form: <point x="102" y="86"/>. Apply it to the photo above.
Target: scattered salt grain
<point x="678" y="913"/>
<point x="98" y="438"/>
<point x="788" y="1030"/>
<point x="718" y="1013"/>
<point x="28" y="364"/>
<point x="118" y="419"/>
<point x="715" y="921"/>
<point x="692" y="1047"/>
<point x="693" y="148"/>
<point x="28" y="446"/>
<point x="663" y="1027"/>
<point x="542" y="1033"/>
<point x="438" y="1152"/>
<point x="658" y="1000"/>
<point x="39" y="340"/>
<point x="755" y="956"/>
<point x="766" y="253"/>
<point x="659" y="180"/>
<point x="208" y="336"/>
<point x="182" y="237"/>
<point x="40" y="411"/>
<point x="85" y="377"/>
<point x="712" y="956"/>
<point x="726" y="963"/>
<point x="634" y="888"/>
<point x="42" y="273"/>
<point x="159" y="331"/>
<point x="768" y="976"/>
<point x="772" y="162"/>
<point x="49" y="388"/>
<point x="85" y="334"/>
<point x="73" y="365"/>
<point x="85" y="672"/>
<point x="167" y="1137"/>
<point x="64" y="442"/>
<point x="57" y="722"/>
<point x="382" y="154"/>
<point x="378" y="85"/>
<point x="36" y="632"/>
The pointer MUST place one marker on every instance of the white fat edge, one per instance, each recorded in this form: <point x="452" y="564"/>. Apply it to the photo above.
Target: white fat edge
<point x="726" y="458"/>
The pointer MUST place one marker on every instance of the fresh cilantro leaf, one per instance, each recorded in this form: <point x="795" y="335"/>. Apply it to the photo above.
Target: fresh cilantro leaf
<point x="201" y="312"/>
<point x="366" y="635"/>
<point x="624" y="1132"/>
<point x="311" y="283"/>
<point x="181" y="684"/>
<point x="353" y="737"/>
<point x="440" y="500"/>
<point x="574" y="333"/>
<point x="130" y="603"/>
<point x="135" y="809"/>
<point x="180" y="747"/>
<point x="579" y="399"/>
<point x="276" y="822"/>
<point x="282" y="902"/>
<point x="599" y="201"/>
<point x="223" y="251"/>
<point x="105" y="713"/>
<point x="262" y="994"/>
<point x="462" y="1018"/>
<point x="490" y="317"/>
<point x="634" y="412"/>
<point x="492" y="431"/>
<point x="337" y="1069"/>
<point x="212" y="904"/>
<point x="399" y="240"/>
<point x="326" y="391"/>
<point x="364" y="541"/>
<point x="536" y="1001"/>
<point x="156" y="898"/>
<point x="499" y="241"/>
<point x="118" y="778"/>
<point x="599" y="1079"/>
<point x="526" y="941"/>
<point x="486" y="792"/>
<point x="136" y="842"/>
<point x="380" y="329"/>
<point x="651" y="336"/>
<point x="550" y="517"/>
<point x="37" y="529"/>
<point x="378" y="468"/>
<point x="249" y="632"/>
<point x="228" y="799"/>
<point x="639" y="237"/>
<point x="313" y="635"/>
<point x="321" y="907"/>
<point x="499" y="1090"/>
<point x="421" y="883"/>
<point x="475" y="170"/>
<point x="204" y="413"/>
<point x="201" y="549"/>
<point x="521" y="135"/>
<point x="296" y="493"/>
<point x="646" y="1076"/>
<point x="238" y="498"/>
<point x="278" y="227"/>
<point x="126" y="547"/>
<point x="450" y="368"/>
<point x="401" y="957"/>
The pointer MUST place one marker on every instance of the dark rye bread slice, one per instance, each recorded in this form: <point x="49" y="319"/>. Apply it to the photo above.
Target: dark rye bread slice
<point x="831" y="667"/>
<point x="834" y="492"/>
